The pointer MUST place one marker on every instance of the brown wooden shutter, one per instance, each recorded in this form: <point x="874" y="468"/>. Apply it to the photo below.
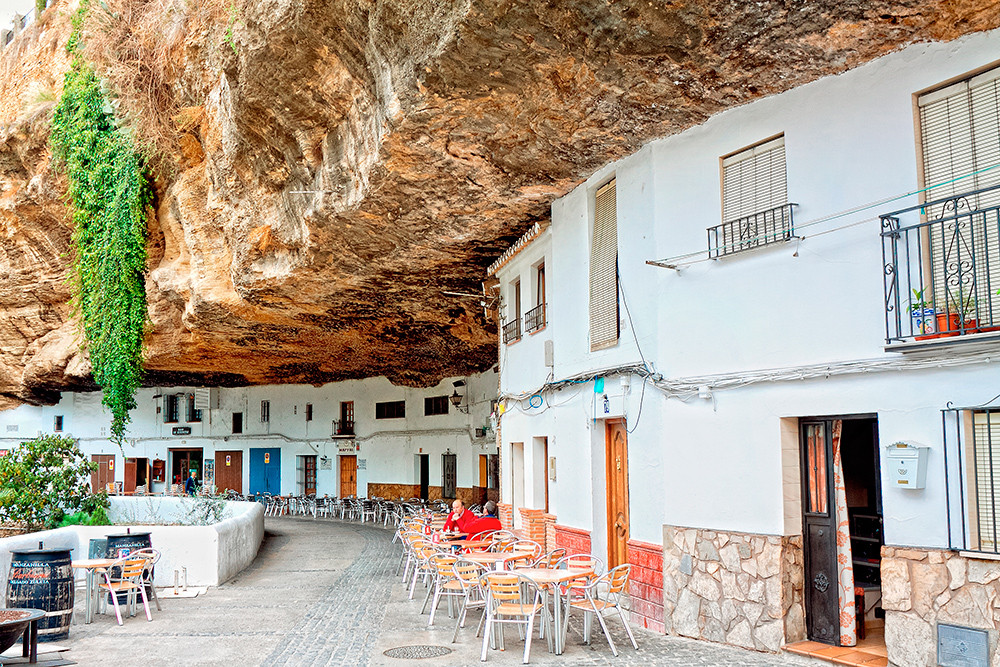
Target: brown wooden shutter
<point x="604" y="271"/>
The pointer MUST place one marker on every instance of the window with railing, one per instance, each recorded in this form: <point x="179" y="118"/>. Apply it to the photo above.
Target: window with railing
<point x="942" y="267"/>
<point x="512" y="331"/>
<point x="775" y="225"/>
<point x="534" y="319"/>
<point x="343" y="427"/>
<point x="972" y="477"/>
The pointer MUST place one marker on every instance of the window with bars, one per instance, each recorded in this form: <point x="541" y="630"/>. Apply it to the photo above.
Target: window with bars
<point x="171" y="409"/>
<point x="309" y="412"/>
<point x="959" y="128"/>
<point x="193" y="413"/>
<point x="390" y="410"/>
<point x="265" y="411"/>
<point x="604" y="330"/>
<point x="436" y="405"/>
<point x="984" y="474"/>
<point x="57" y="424"/>
<point x="755" y="207"/>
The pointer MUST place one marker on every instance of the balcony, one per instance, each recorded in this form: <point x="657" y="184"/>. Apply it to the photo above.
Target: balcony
<point x="768" y="227"/>
<point x="534" y="319"/>
<point x="942" y="269"/>
<point x="512" y="331"/>
<point x="343" y="428"/>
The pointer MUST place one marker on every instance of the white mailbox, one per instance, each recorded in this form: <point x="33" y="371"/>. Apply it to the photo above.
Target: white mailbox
<point x="907" y="465"/>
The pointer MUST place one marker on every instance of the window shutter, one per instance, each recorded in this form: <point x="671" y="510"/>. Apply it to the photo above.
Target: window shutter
<point x="754" y="180"/>
<point x="986" y="436"/>
<point x="959" y="135"/>
<point x="604" y="271"/>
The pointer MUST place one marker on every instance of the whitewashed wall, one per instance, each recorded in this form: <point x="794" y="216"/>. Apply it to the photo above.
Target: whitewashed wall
<point x="388" y="446"/>
<point x="849" y="141"/>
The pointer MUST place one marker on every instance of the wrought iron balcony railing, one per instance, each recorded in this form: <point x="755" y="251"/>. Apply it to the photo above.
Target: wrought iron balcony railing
<point x="534" y="319"/>
<point x="343" y="427"/>
<point x="512" y="331"/>
<point x="942" y="267"/>
<point x="774" y="225"/>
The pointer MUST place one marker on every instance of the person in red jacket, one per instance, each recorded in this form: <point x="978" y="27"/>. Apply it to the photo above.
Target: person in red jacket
<point x="458" y="519"/>
<point x="488" y="522"/>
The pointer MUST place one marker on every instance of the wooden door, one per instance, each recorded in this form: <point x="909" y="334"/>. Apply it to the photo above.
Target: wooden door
<point x="617" y="473"/>
<point x="130" y="470"/>
<point x="425" y="475"/>
<point x="229" y="471"/>
<point x="105" y="472"/>
<point x="348" y="476"/>
<point x="309" y="474"/>
<point x="819" y="533"/>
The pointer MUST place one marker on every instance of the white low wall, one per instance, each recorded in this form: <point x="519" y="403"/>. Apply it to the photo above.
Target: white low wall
<point x="212" y="554"/>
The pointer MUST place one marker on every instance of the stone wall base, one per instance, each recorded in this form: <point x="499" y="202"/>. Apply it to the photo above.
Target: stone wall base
<point x="736" y="588"/>
<point x="469" y="495"/>
<point x="924" y="587"/>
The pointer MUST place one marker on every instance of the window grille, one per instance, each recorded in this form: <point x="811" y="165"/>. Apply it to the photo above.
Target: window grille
<point x="604" y="271"/>
<point x="171" y="409"/>
<point x="309" y="412"/>
<point x="390" y="410"/>
<point x="436" y="405"/>
<point x="512" y="331"/>
<point x="57" y="426"/>
<point x="534" y="319"/>
<point x="265" y="412"/>
<point x="972" y="477"/>
<point x="193" y="413"/>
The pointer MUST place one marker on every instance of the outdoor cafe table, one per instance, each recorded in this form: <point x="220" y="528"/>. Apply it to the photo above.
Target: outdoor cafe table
<point x="93" y="567"/>
<point x="551" y="578"/>
<point x="497" y="560"/>
<point x="464" y="543"/>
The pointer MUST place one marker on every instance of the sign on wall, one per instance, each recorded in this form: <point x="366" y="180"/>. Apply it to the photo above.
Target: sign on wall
<point x="326" y="463"/>
<point x="347" y="447"/>
<point x="209" y="471"/>
<point x="267" y="457"/>
<point x="181" y="430"/>
<point x="362" y="464"/>
<point x="229" y="460"/>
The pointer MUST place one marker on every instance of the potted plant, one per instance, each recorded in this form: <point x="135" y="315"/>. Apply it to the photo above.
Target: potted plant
<point x="928" y="323"/>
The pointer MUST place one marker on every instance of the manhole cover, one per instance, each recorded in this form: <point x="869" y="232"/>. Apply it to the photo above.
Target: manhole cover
<point x="416" y="652"/>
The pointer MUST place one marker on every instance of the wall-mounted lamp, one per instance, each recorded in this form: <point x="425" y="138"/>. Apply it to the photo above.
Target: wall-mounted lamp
<point x="457" y="398"/>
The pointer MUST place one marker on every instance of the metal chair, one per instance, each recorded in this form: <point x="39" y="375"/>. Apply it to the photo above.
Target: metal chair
<point x="467" y="574"/>
<point x="443" y="583"/>
<point x="154" y="556"/>
<point x="596" y="603"/>
<point x="549" y="560"/>
<point x="125" y="576"/>
<point x="511" y="598"/>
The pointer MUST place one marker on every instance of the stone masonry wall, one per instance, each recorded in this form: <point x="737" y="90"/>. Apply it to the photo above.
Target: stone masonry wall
<point x="921" y="588"/>
<point x="736" y="588"/>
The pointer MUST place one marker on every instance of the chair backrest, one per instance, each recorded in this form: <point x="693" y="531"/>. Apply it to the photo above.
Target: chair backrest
<point x="510" y="588"/>
<point x="152" y="554"/>
<point x="550" y="559"/>
<point x="485" y="535"/>
<point x="468" y="572"/>
<point x="128" y="568"/>
<point x="618" y="579"/>
<point x="443" y="564"/>
<point x="582" y="560"/>
<point x="525" y="546"/>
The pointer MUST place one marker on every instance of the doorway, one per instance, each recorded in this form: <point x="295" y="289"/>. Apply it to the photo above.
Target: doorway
<point x="616" y="440"/>
<point x="858" y="444"/>
<point x="265" y="470"/>
<point x="229" y="471"/>
<point x="136" y="474"/>
<point x="424" y="471"/>
<point x="306" y="473"/>
<point x="183" y="462"/>
<point x="105" y="473"/>
<point x="348" y="475"/>
<point x="517" y="480"/>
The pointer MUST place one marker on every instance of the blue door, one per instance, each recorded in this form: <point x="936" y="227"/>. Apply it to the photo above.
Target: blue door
<point x="265" y="470"/>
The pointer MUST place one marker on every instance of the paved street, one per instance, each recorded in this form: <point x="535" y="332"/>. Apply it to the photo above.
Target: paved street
<point x="323" y="592"/>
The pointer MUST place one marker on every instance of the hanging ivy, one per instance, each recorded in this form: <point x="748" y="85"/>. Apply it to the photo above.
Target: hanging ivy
<point x="110" y="198"/>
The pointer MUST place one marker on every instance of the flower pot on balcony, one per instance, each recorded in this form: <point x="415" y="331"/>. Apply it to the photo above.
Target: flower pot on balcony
<point x="946" y="326"/>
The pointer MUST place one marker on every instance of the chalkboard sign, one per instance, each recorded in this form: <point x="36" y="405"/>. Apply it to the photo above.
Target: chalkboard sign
<point x="181" y="430"/>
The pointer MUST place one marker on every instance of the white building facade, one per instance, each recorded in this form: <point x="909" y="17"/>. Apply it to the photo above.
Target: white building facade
<point x="364" y="438"/>
<point x="718" y="332"/>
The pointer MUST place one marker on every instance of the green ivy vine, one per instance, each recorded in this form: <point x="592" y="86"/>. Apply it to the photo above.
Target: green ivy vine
<point x="110" y="197"/>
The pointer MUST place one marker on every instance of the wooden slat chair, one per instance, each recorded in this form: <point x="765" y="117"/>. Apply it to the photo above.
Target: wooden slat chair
<point x="534" y="549"/>
<point x="605" y="593"/>
<point x="514" y="599"/>
<point x="549" y="560"/>
<point x="408" y="557"/>
<point x="422" y="552"/>
<point x="125" y="576"/>
<point x="154" y="556"/>
<point x="467" y="574"/>
<point x="501" y="539"/>
<point x="443" y="584"/>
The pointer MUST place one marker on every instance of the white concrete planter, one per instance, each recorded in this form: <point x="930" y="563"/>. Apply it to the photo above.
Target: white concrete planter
<point x="212" y="554"/>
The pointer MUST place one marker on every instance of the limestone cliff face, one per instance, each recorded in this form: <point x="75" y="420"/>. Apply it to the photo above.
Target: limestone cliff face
<point x="340" y="164"/>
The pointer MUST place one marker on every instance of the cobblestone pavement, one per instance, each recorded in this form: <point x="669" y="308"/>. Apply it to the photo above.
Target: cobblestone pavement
<point x="324" y="592"/>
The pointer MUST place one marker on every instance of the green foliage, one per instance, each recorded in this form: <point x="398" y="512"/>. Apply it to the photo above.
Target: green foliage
<point x="111" y="197"/>
<point x="203" y="511"/>
<point x="42" y="479"/>
<point x="39" y="8"/>
<point x="234" y="14"/>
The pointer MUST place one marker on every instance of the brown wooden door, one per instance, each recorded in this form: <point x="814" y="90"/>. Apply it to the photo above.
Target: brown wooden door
<point x="618" y="521"/>
<point x="229" y="471"/>
<point x="130" y="471"/>
<point x="309" y="475"/>
<point x="105" y="472"/>
<point x="348" y="476"/>
<point x="819" y="528"/>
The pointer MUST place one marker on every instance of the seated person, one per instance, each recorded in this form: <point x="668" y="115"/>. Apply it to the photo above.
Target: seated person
<point x="458" y="518"/>
<point x="488" y="522"/>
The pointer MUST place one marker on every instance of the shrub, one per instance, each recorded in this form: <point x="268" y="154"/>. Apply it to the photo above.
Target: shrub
<point x="43" y="479"/>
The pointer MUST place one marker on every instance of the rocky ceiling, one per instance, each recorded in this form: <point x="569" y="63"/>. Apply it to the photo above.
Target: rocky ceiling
<point x="348" y="162"/>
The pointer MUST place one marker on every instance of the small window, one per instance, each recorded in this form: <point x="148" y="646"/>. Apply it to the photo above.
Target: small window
<point x="309" y="412"/>
<point x="58" y="425"/>
<point x="436" y="405"/>
<point x="534" y="319"/>
<point x="265" y="412"/>
<point x="604" y="270"/>
<point x="193" y="413"/>
<point x="237" y="422"/>
<point x="390" y="410"/>
<point x="171" y="411"/>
